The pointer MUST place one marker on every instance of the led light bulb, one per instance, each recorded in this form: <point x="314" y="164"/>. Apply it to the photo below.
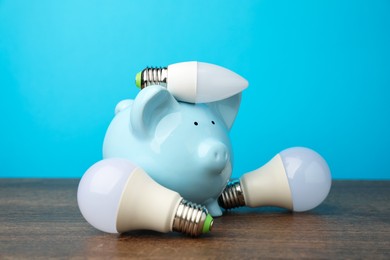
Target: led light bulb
<point x="115" y="196"/>
<point x="194" y="82"/>
<point x="297" y="179"/>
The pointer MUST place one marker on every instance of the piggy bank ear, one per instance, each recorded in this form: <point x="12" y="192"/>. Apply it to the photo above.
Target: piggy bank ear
<point x="150" y="106"/>
<point x="227" y="109"/>
<point x="122" y="105"/>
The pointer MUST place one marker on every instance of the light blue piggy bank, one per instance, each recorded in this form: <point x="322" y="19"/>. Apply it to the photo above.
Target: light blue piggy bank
<point x="184" y="147"/>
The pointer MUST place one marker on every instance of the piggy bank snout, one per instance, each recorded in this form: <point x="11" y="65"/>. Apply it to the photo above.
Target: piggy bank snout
<point x="214" y="155"/>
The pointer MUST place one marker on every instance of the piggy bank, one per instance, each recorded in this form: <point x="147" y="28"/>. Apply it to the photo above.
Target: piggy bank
<point x="184" y="147"/>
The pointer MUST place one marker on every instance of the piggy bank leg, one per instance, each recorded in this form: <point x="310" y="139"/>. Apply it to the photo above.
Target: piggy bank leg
<point x="213" y="207"/>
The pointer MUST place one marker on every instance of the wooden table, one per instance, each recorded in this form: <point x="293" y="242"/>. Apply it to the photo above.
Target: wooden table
<point x="39" y="218"/>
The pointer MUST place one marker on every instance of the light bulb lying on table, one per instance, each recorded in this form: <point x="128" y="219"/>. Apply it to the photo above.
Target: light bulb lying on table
<point x="297" y="178"/>
<point x="194" y="82"/>
<point x="116" y="196"/>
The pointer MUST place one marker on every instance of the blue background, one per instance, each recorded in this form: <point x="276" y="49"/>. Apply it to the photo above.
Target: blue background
<point x="319" y="74"/>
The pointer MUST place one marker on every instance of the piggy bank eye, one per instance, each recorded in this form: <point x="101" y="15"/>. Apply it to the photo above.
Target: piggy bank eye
<point x="195" y="123"/>
<point x="213" y="122"/>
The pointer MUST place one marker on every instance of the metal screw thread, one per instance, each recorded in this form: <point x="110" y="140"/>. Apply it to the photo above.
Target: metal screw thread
<point x="190" y="218"/>
<point x="232" y="196"/>
<point x="154" y="76"/>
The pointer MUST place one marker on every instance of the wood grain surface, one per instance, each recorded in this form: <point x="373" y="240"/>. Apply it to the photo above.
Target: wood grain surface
<point x="39" y="218"/>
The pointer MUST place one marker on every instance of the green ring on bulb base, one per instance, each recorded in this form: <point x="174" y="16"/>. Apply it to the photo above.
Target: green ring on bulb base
<point x="208" y="223"/>
<point x="138" y="79"/>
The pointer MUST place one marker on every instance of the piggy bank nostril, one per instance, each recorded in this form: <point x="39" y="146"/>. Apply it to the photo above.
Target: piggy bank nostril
<point x="220" y="155"/>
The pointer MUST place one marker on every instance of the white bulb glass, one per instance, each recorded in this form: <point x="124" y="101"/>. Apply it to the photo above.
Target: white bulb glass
<point x="216" y="83"/>
<point x="308" y="176"/>
<point x="200" y="82"/>
<point x="100" y="191"/>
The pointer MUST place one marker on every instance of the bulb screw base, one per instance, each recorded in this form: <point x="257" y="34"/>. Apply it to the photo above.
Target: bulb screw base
<point x="192" y="219"/>
<point x="232" y="196"/>
<point x="152" y="76"/>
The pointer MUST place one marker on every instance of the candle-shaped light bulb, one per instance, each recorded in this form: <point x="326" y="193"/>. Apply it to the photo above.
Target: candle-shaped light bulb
<point x="194" y="82"/>
<point x="115" y="196"/>
<point x="297" y="178"/>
